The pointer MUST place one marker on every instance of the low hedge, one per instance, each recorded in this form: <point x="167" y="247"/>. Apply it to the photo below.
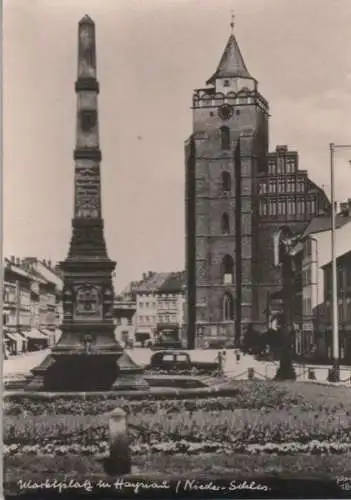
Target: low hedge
<point x="245" y="394"/>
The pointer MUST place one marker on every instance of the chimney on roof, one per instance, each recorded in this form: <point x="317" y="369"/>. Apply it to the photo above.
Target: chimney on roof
<point x="49" y="263"/>
<point x="13" y="259"/>
<point x="144" y="276"/>
<point x="18" y="261"/>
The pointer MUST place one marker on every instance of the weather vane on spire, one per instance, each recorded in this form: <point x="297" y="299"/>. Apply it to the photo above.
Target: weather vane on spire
<point x="232" y="23"/>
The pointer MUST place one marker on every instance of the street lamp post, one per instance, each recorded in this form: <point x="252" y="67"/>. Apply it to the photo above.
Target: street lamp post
<point x="335" y="373"/>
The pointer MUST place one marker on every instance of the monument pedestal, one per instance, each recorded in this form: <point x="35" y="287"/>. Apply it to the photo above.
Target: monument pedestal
<point x="130" y="375"/>
<point x="74" y="372"/>
<point x="85" y="358"/>
<point x="37" y="383"/>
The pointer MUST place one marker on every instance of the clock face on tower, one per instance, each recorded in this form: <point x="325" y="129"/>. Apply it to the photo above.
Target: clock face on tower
<point x="225" y="112"/>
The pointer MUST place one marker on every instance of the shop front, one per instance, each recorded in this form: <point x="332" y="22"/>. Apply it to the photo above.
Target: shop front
<point x="50" y="334"/>
<point x="142" y="338"/>
<point x="36" y="340"/>
<point x="15" y="343"/>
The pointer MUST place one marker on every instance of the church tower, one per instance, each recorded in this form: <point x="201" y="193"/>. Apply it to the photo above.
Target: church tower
<point x="224" y="155"/>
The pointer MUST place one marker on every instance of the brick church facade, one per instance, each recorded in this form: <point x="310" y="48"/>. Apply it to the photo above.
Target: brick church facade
<point x="237" y="196"/>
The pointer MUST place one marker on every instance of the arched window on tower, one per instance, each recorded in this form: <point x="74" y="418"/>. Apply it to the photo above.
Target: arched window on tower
<point x="227" y="307"/>
<point x="225" y="138"/>
<point x="227" y="270"/>
<point x="225" y="223"/>
<point x="226" y="182"/>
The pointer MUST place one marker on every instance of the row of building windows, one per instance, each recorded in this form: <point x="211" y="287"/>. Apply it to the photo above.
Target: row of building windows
<point x="162" y="318"/>
<point x="147" y="304"/>
<point x="343" y="278"/>
<point x="172" y="304"/>
<point x="344" y="311"/>
<point x="147" y="319"/>
<point x="167" y="318"/>
<point x="283" y="186"/>
<point x="282" y="165"/>
<point x="124" y="321"/>
<point x="287" y="207"/>
<point x="168" y="305"/>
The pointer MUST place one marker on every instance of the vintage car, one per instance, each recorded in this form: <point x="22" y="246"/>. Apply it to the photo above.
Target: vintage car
<point x="179" y="362"/>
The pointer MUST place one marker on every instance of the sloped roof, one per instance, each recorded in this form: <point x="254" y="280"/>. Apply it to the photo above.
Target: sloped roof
<point x="129" y="289"/>
<point x="174" y="283"/>
<point x="323" y="223"/>
<point x="232" y="63"/>
<point x="152" y="283"/>
<point x="25" y="273"/>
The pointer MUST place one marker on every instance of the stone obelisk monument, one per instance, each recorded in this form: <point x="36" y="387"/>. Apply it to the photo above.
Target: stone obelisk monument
<point x="86" y="356"/>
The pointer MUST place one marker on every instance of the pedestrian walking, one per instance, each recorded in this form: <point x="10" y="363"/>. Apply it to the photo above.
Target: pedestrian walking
<point x="4" y="351"/>
<point x="220" y="362"/>
<point x="224" y="360"/>
<point x="237" y="355"/>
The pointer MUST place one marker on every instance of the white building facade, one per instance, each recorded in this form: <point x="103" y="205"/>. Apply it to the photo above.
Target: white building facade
<point x="316" y="254"/>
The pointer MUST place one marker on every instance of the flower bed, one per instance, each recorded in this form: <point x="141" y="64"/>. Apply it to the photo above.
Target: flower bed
<point x="248" y="395"/>
<point x="230" y="429"/>
<point x="101" y="448"/>
<point x="259" y="418"/>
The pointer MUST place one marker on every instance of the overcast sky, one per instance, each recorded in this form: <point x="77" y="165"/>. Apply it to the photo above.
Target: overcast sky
<point x="151" y="54"/>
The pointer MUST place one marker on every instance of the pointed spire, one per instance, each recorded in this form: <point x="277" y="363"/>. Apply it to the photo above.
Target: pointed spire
<point x="232" y="63"/>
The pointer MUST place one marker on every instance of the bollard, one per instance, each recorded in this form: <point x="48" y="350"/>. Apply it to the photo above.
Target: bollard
<point x="250" y="373"/>
<point x="119" y="460"/>
<point x="311" y="374"/>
